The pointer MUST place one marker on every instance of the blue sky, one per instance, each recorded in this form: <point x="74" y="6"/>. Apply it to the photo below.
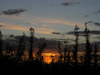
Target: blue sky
<point x="47" y="16"/>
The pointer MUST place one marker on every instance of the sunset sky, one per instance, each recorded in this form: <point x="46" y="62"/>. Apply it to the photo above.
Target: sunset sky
<point x="49" y="18"/>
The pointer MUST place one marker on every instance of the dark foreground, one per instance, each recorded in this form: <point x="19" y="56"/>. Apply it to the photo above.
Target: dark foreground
<point x="12" y="66"/>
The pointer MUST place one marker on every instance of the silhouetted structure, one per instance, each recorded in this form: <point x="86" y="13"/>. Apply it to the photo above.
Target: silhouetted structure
<point x="31" y="42"/>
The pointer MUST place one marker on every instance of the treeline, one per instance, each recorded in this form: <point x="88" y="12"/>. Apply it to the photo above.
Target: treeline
<point x="88" y="59"/>
<point x="66" y="63"/>
<point x="22" y="45"/>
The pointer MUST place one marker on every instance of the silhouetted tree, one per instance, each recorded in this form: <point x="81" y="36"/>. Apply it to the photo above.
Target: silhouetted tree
<point x="65" y="51"/>
<point x="68" y="57"/>
<point x="82" y="60"/>
<point x="8" y="47"/>
<point x="60" y="51"/>
<point x="76" y="45"/>
<point x="87" y="61"/>
<point x="21" y="46"/>
<point x="95" y="56"/>
<point x="31" y="42"/>
<point x="65" y="56"/>
<point x="1" y="36"/>
<point x="41" y="49"/>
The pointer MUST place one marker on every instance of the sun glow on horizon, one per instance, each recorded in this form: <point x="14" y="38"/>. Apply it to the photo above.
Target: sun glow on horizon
<point x="49" y="57"/>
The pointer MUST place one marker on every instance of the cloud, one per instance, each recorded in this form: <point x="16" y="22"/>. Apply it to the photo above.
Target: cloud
<point x="88" y="22"/>
<point x="56" y="33"/>
<point x="70" y="3"/>
<point x="44" y="30"/>
<point x="95" y="32"/>
<point x="92" y="22"/>
<point x="97" y="37"/>
<point x="1" y="25"/>
<point x="86" y="16"/>
<point x="14" y="40"/>
<point x="44" y="25"/>
<point x="81" y="33"/>
<point x="13" y="27"/>
<point x="97" y="12"/>
<point x="43" y="20"/>
<point x="24" y="28"/>
<point x="55" y="21"/>
<point x="13" y="11"/>
<point x="94" y="13"/>
<point x="97" y="24"/>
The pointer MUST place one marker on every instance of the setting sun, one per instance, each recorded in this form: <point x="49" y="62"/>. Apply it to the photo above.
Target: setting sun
<point x="49" y="57"/>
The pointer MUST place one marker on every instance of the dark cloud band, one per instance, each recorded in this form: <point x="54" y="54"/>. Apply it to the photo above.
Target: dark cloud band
<point x="13" y="11"/>
<point x="70" y="3"/>
<point x="94" y="32"/>
<point x="1" y="25"/>
<point x="92" y="22"/>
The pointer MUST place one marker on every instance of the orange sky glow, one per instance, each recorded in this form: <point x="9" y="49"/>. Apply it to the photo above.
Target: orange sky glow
<point x="48" y="57"/>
